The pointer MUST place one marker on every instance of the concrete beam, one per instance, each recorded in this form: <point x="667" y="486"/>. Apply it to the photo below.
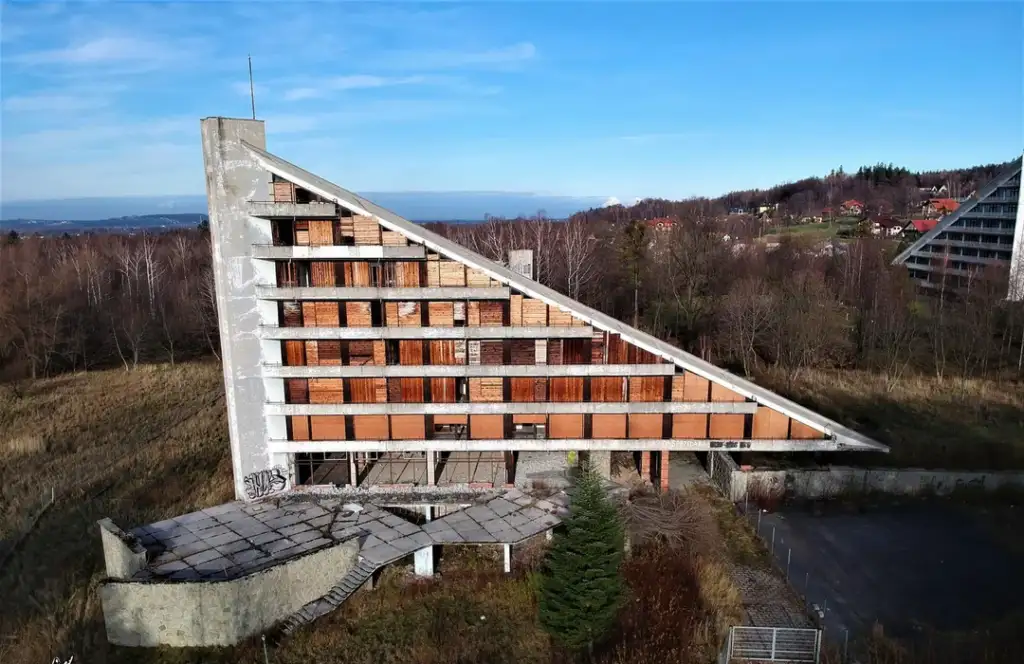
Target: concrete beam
<point x="502" y="408"/>
<point x="468" y="370"/>
<point x="272" y="332"/>
<point x="273" y="209"/>
<point x="270" y="252"/>
<point x="266" y="292"/>
<point x="558" y="445"/>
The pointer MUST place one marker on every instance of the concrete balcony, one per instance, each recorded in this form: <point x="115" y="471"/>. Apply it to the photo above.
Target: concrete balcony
<point x="436" y="333"/>
<point x="274" y="210"/>
<point x="503" y="408"/>
<point x="271" y="252"/>
<point x="555" y="445"/>
<point x="468" y="371"/>
<point x="355" y="293"/>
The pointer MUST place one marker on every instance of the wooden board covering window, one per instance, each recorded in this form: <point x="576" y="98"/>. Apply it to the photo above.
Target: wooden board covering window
<point x="451" y="419"/>
<point x="294" y="353"/>
<point x="302" y="233"/>
<point x="646" y="425"/>
<point x="442" y="390"/>
<point x="408" y="427"/>
<point x="442" y="353"/>
<point x="554" y="351"/>
<point x="690" y="387"/>
<point x="312" y="353"/>
<point x="597" y="348"/>
<point x="486" y="390"/>
<point x="284" y="192"/>
<point x="393" y="239"/>
<point x="727" y="426"/>
<point x="327" y="427"/>
<point x="486" y="426"/>
<point x="327" y="314"/>
<point x="441" y="314"/>
<point x="473" y="352"/>
<point x="689" y="425"/>
<point x="558" y="318"/>
<point x="575" y="351"/>
<point x="526" y="390"/>
<point x="291" y="314"/>
<point x="640" y="356"/>
<point x="608" y="388"/>
<point x="405" y="390"/>
<point x="402" y="314"/>
<point x="287" y="274"/>
<point x="522" y="352"/>
<point x="565" y="426"/>
<point x="410" y="353"/>
<point x="477" y="279"/>
<point x="492" y="314"/>
<point x="800" y="431"/>
<point x="768" y="423"/>
<point x="309" y="314"/>
<point x="357" y="273"/>
<point x="535" y="313"/>
<point x="566" y="389"/>
<point x="300" y="427"/>
<point x="322" y="274"/>
<point x="325" y="390"/>
<point x="452" y="273"/>
<point x="296" y="390"/>
<point x="720" y="394"/>
<point x="646" y="388"/>
<point x="407" y="274"/>
<point x="368" y="390"/>
<point x="370" y="427"/>
<point x="608" y="426"/>
<point x="492" y="353"/>
<point x="321" y="233"/>
<point x="329" y="353"/>
<point x="366" y="229"/>
<point x="360" y="353"/>
<point x="357" y="314"/>
<point x="515" y="310"/>
<point x="618" y="350"/>
<point x="473" y="314"/>
<point x="526" y="418"/>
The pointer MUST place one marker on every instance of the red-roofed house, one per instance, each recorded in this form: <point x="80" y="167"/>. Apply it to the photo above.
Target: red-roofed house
<point x="852" y="206"/>
<point x="940" y="206"/>
<point x="660" y="224"/>
<point x="923" y="225"/>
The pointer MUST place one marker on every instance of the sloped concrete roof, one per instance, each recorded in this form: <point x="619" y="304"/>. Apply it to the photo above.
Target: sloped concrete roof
<point x="843" y="436"/>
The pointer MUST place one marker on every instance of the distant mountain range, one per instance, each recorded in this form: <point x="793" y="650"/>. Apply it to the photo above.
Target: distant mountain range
<point x="76" y="215"/>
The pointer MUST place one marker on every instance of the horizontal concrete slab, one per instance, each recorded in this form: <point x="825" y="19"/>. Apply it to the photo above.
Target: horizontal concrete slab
<point x="272" y="332"/>
<point x="273" y="209"/>
<point x="353" y="293"/>
<point x="531" y="408"/>
<point x="271" y="252"/>
<point x="463" y="370"/>
<point x="552" y="445"/>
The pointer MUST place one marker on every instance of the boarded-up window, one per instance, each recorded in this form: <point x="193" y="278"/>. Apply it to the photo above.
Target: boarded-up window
<point x="646" y="388"/>
<point x="608" y="426"/>
<point x="646" y="425"/>
<point x="327" y="314"/>
<point x="321" y="233"/>
<point x="370" y="427"/>
<point x="327" y="427"/>
<point x="402" y="314"/>
<point x="312" y="353"/>
<point x="296" y="390"/>
<point x="535" y="313"/>
<point x="405" y="390"/>
<point x="689" y="425"/>
<point x="329" y="353"/>
<point x="800" y="431"/>
<point x="294" y="353"/>
<point x="302" y="233"/>
<point x="473" y="314"/>
<point x="322" y="274"/>
<point x="393" y="239"/>
<point x="641" y="356"/>
<point x="367" y="230"/>
<point x="360" y="353"/>
<point x="597" y="348"/>
<point x="554" y="351"/>
<point x="491" y="353"/>
<point x="492" y="314"/>
<point x="407" y="275"/>
<point x="618" y="350"/>
<point x="522" y="352"/>
<point x="287" y="274"/>
<point x="309" y="314"/>
<point x="566" y="389"/>
<point x="325" y="390"/>
<point x="769" y="424"/>
<point x="442" y="390"/>
<point x="486" y="389"/>
<point x="558" y="318"/>
<point x="291" y="313"/>
<point x="357" y="314"/>
<point x="720" y="393"/>
<point x="452" y="273"/>
<point x="486" y="427"/>
<point x="527" y="389"/>
<point x="410" y="353"/>
<point x="299" y="426"/>
<point x="284" y="192"/>
<point x="442" y="352"/>
<point x="689" y="387"/>
<point x="408" y="427"/>
<point x="728" y="426"/>
<point x="565" y="426"/>
<point x="441" y="314"/>
<point x="368" y="390"/>
<point x="357" y="274"/>
<point x="515" y="310"/>
<point x="576" y="351"/>
<point x="608" y="388"/>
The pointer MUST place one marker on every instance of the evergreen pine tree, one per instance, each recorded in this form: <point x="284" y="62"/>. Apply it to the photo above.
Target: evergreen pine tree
<point x="580" y="589"/>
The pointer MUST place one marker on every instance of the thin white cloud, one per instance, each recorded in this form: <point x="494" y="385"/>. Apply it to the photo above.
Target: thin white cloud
<point x="459" y="59"/>
<point x="353" y="82"/>
<point x="54" y="103"/>
<point x="96" y="51"/>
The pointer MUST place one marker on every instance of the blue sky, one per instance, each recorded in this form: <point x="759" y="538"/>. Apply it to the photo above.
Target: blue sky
<point x="588" y="99"/>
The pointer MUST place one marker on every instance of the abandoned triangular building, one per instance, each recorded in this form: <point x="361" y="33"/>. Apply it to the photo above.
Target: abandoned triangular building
<point x="361" y="348"/>
<point x="984" y="231"/>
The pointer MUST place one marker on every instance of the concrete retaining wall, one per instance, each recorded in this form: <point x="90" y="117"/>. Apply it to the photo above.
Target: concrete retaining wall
<point x="220" y="613"/>
<point x="832" y="482"/>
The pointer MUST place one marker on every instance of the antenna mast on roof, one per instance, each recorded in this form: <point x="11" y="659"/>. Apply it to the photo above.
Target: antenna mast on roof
<point x="252" y="90"/>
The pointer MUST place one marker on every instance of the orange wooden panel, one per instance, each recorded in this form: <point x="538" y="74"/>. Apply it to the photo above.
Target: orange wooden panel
<point x="328" y="353"/>
<point x="535" y="313"/>
<point x="689" y="425"/>
<point x="726" y="426"/>
<point x="408" y="427"/>
<point x="327" y="314"/>
<point x="442" y="390"/>
<point x="486" y="426"/>
<point x="370" y="427"/>
<point x="321" y="233"/>
<point x="309" y="314"/>
<point x="720" y="394"/>
<point x="646" y="388"/>
<point x="368" y="390"/>
<point x="529" y="419"/>
<point x="566" y="389"/>
<point x="558" y="318"/>
<point x="312" y="353"/>
<point x="565" y="426"/>
<point x="492" y="314"/>
<point x="451" y="419"/>
<point x="327" y="427"/>
<point x="695" y="388"/>
<point x="607" y="388"/>
<point x="284" y="192"/>
<point x="769" y="423"/>
<point x="452" y="273"/>
<point x="357" y="273"/>
<point x="473" y="314"/>
<point x="410" y="353"/>
<point x="300" y="427"/>
<point x="441" y="314"/>
<point x="646" y="425"/>
<point x="294" y="353"/>
<point x="442" y="352"/>
<point x="800" y="431"/>
<point x="608" y="426"/>
<point x="486" y="389"/>
<point x="357" y="314"/>
<point x="524" y="389"/>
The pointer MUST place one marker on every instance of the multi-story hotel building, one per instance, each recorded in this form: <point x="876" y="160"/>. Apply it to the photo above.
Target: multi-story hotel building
<point x="360" y="348"/>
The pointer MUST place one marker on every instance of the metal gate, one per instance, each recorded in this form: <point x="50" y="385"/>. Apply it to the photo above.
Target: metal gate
<point x="774" y="644"/>
<point x="720" y="467"/>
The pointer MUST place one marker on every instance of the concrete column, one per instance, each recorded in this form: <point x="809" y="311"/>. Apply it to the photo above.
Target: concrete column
<point x="601" y="462"/>
<point x="549" y="535"/>
<point x="645" y="466"/>
<point x="353" y="475"/>
<point x="508" y="558"/>
<point x="423" y="560"/>
<point x="664" y="470"/>
<point x="431" y="467"/>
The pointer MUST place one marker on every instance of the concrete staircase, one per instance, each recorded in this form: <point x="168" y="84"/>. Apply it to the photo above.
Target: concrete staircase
<point x="350" y="583"/>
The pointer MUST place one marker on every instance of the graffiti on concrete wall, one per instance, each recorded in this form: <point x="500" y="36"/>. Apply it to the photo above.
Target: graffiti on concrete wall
<point x="262" y="483"/>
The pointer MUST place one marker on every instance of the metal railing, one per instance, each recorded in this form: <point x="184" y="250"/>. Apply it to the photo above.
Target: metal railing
<point x="774" y="644"/>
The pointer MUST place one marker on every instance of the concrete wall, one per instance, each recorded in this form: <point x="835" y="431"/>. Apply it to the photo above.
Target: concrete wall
<point x="220" y="613"/>
<point x="233" y="178"/>
<point x="839" y="480"/>
<point x="123" y="554"/>
<point x="549" y="468"/>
